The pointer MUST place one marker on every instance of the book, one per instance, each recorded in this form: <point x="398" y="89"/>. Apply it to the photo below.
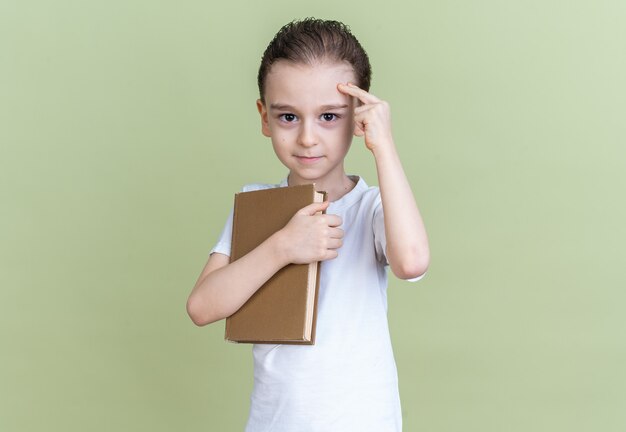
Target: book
<point x="284" y="309"/>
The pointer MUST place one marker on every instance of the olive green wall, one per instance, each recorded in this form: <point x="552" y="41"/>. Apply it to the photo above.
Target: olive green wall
<point x="127" y="126"/>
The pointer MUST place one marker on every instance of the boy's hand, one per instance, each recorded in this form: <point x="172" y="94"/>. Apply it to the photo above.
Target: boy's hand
<point x="309" y="237"/>
<point x="372" y="118"/>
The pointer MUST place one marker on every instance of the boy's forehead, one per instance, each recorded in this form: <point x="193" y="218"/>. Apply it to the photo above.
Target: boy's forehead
<point x="290" y="83"/>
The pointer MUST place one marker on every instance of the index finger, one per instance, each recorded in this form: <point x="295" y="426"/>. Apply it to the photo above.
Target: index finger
<point x="357" y="92"/>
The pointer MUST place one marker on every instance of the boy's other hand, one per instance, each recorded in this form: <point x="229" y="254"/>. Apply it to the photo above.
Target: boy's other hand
<point x="372" y="119"/>
<point x="310" y="236"/>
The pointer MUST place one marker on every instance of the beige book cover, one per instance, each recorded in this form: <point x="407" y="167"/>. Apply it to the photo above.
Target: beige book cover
<point x="284" y="309"/>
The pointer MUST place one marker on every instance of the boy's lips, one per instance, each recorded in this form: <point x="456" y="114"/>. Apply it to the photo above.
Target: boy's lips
<point x="308" y="159"/>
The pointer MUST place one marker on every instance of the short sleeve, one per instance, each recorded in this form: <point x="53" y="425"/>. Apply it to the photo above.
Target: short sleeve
<point x="223" y="243"/>
<point x="380" y="240"/>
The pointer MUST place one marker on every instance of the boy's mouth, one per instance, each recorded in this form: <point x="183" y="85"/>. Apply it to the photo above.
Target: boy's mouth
<point x="308" y="160"/>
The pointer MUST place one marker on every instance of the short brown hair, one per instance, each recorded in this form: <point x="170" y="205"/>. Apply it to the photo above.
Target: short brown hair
<point x="311" y="39"/>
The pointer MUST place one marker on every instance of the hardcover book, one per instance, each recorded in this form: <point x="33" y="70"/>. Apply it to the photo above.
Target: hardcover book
<point x="284" y="309"/>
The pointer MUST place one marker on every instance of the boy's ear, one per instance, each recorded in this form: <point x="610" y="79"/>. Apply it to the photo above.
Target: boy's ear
<point x="265" y="127"/>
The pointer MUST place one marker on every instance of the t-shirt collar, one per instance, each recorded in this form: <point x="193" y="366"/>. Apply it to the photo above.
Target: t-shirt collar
<point x="348" y="199"/>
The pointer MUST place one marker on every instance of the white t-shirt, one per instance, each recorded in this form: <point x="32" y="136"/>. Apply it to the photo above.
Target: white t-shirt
<point x="347" y="381"/>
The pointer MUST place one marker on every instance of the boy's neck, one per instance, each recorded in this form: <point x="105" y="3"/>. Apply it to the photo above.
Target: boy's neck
<point x="334" y="189"/>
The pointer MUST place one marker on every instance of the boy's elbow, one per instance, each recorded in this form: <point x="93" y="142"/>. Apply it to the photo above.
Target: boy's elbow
<point x="199" y="313"/>
<point x="410" y="272"/>
<point x="411" y="268"/>
<point x="194" y="314"/>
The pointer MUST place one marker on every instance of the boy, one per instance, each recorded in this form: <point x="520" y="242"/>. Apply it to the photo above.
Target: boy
<point x="313" y="84"/>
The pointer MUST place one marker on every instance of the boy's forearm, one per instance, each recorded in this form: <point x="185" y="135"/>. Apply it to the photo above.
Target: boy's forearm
<point x="407" y="243"/>
<point x="223" y="291"/>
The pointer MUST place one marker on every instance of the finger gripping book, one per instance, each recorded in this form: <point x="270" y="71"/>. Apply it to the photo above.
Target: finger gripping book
<point x="284" y="309"/>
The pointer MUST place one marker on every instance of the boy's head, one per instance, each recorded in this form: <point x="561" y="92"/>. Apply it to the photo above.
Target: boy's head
<point x="311" y="41"/>
<point x="310" y="122"/>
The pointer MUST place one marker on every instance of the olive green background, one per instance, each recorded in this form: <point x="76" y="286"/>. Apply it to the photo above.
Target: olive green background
<point x="127" y="126"/>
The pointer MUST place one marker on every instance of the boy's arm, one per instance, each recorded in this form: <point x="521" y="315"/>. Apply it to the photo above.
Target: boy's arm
<point x="407" y="243"/>
<point x="224" y="287"/>
<point x="407" y="251"/>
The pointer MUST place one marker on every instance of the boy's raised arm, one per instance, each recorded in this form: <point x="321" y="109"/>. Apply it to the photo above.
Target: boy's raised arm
<point x="407" y="251"/>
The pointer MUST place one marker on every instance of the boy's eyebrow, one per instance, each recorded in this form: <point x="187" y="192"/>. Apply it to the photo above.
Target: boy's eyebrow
<point x="285" y="107"/>
<point x="334" y="107"/>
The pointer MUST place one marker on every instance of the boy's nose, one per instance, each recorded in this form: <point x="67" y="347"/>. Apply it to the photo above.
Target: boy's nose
<point x="307" y="136"/>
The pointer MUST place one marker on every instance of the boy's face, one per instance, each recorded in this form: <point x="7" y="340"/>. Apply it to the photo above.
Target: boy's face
<point x="309" y="121"/>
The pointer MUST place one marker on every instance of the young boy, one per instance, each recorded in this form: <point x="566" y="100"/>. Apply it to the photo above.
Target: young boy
<point x="313" y="82"/>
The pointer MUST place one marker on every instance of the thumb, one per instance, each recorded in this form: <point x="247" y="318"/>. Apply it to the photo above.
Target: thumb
<point x="311" y="209"/>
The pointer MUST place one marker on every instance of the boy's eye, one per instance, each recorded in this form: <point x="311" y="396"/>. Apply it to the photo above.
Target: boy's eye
<point x="329" y="116"/>
<point x="288" y="117"/>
